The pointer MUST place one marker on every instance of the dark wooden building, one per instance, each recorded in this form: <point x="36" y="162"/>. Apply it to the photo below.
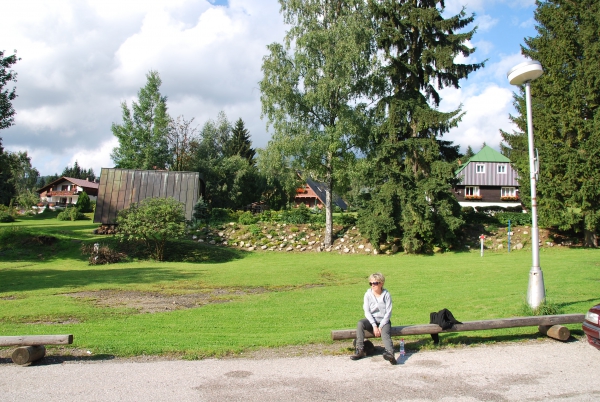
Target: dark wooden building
<point x="119" y="188"/>
<point x="487" y="179"/>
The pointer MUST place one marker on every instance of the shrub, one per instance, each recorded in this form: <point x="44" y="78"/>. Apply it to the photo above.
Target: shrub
<point x="255" y="230"/>
<point x="84" y="203"/>
<point x="297" y="216"/>
<point x="516" y="218"/>
<point x="247" y="218"/>
<point x="100" y="254"/>
<point x="201" y="210"/>
<point x="221" y="215"/>
<point x="70" y="214"/>
<point x="154" y="221"/>
<point x="6" y="217"/>
<point x="345" y="219"/>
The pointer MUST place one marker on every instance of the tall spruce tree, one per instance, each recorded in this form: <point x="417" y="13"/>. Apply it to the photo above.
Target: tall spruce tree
<point x="240" y="144"/>
<point x="313" y="86"/>
<point x="408" y="166"/>
<point x="566" y="117"/>
<point x="143" y="135"/>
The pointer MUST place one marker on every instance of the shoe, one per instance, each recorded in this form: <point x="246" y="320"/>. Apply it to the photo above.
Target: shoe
<point x="389" y="357"/>
<point x="358" y="354"/>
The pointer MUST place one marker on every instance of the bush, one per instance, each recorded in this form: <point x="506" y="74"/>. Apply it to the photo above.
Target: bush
<point x="345" y="220"/>
<point x="298" y="215"/>
<point x="70" y="214"/>
<point x="6" y="217"/>
<point x="247" y="218"/>
<point x="154" y="221"/>
<point x="516" y="218"/>
<point x="84" y="204"/>
<point x="100" y="254"/>
<point x="221" y="215"/>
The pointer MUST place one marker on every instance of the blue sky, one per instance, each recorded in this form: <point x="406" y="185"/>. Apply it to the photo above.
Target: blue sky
<point x="81" y="59"/>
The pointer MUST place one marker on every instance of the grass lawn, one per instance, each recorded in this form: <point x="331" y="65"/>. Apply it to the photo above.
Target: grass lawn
<point x="263" y="299"/>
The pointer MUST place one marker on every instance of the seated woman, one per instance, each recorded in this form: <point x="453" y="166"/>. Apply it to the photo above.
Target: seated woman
<point x="378" y="310"/>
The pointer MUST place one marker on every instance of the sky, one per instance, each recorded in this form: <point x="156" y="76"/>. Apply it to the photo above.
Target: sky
<point x="80" y="59"/>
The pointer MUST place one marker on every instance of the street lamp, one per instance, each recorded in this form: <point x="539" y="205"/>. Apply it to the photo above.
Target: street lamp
<point x="521" y="74"/>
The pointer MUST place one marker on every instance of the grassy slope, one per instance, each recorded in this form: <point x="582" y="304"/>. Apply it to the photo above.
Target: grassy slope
<point x="289" y="298"/>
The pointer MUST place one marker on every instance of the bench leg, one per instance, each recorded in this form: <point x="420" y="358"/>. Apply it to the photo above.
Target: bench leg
<point x="28" y="354"/>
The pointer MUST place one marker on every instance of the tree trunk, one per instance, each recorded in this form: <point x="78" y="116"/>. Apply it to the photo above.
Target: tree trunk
<point x="590" y="238"/>
<point x="328" y="205"/>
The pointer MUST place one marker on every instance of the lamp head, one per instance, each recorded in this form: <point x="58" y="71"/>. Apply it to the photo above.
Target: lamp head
<point x="527" y="71"/>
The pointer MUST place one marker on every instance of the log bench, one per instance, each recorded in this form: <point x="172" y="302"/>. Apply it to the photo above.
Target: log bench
<point x="32" y="347"/>
<point x="547" y="324"/>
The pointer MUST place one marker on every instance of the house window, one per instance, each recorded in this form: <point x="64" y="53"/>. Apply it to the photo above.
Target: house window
<point x="471" y="191"/>
<point x="480" y="168"/>
<point x="501" y="169"/>
<point x="508" y="192"/>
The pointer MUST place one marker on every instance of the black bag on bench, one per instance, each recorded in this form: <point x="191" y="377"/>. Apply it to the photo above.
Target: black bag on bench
<point x="444" y="319"/>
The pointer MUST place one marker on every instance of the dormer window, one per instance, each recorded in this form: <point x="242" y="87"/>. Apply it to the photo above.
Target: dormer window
<point x="480" y="168"/>
<point x="501" y="169"/>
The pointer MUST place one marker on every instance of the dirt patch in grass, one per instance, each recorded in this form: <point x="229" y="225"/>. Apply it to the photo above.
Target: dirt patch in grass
<point x="155" y="302"/>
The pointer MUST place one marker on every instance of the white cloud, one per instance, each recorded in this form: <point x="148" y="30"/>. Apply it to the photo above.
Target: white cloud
<point x="485" y="22"/>
<point x="80" y="60"/>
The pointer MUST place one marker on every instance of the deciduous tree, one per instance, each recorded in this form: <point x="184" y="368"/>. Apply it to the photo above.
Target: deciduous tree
<point x="313" y="88"/>
<point x="7" y="95"/>
<point x="566" y="117"/>
<point x="143" y="135"/>
<point x="153" y="221"/>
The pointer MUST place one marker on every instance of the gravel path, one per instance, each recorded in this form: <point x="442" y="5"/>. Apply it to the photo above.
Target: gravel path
<point x="531" y="371"/>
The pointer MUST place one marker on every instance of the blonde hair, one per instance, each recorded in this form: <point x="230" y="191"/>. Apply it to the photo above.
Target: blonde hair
<point x="377" y="277"/>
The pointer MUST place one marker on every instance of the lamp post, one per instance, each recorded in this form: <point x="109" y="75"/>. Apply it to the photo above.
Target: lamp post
<point x="521" y="74"/>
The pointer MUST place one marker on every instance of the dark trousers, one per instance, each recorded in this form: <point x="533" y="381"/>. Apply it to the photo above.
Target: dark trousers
<point x="385" y="335"/>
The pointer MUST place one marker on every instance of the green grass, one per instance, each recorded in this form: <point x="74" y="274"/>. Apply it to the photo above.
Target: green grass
<point x="264" y="299"/>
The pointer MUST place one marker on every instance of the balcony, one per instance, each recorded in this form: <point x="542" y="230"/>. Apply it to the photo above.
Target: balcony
<point x="510" y="198"/>
<point x="473" y="197"/>
<point x="62" y="193"/>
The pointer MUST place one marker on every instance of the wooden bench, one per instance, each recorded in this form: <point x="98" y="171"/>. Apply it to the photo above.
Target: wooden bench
<point x="32" y="347"/>
<point x="547" y="325"/>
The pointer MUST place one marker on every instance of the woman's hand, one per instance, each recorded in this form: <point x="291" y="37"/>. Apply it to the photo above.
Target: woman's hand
<point x="376" y="332"/>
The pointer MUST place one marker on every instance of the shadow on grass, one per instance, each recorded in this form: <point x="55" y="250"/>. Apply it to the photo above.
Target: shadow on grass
<point x="17" y="280"/>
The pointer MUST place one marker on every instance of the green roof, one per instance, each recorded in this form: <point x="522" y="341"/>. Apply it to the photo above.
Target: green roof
<point x="486" y="154"/>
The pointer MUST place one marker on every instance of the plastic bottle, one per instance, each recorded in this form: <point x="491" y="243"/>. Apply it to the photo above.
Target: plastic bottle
<point x="402" y="352"/>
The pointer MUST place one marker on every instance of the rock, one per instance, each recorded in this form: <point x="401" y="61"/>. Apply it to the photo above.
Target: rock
<point x="318" y="249"/>
<point x="269" y="236"/>
<point x="394" y="248"/>
<point x="341" y="240"/>
<point x="367" y="250"/>
<point x="361" y="246"/>
<point x="250" y="248"/>
<point x="242" y="244"/>
<point x="212" y="242"/>
<point x="346" y="250"/>
<point x="221" y="234"/>
<point x="519" y="246"/>
<point x="200" y="240"/>
<point x="500" y="246"/>
<point x="303" y="249"/>
<point x="525" y="232"/>
<point x="194" y="237"/>
<point x="375" y="252"/>
<point x="289" y="249"/>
